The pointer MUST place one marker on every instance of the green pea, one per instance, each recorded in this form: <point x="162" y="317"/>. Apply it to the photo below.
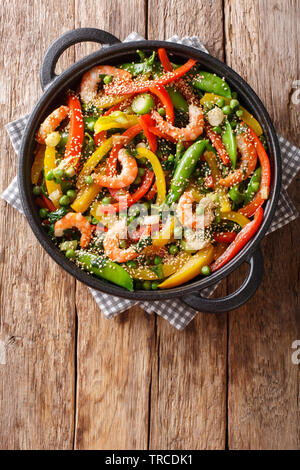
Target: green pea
<point x="220" y="102"/>
<point x="50" y="175"/>
<point x="157" y="260"/>
<point x="94" y="221"/>
<point x="122" y="244"/>
<point x="217" y="129"/>
<point x="239" y="112"/>
<point x="226" y="109"/>
<point x="171" y="158"/>
<point x="173" y="249"/>
<point x="142" y="104"/>
<point x="37" y="190"/>
<point x="70" y="253"/>
<point x="154" y="285"/>
<point x="71" y="193"/>
<point x="58" y="173"/>
<point x="147" y="285"/>
<point x="106" y="200"/>
<point x="43" y="213"/>
<point x="205" y="271"/>
<point x="234" y="104"/>
<point x="90" y="122"/>
<point x="63" y="139"/>
<point x="64" y="200"/>
<point x="199" y="210"/>
<point x="89" y="180"/>
<point x="161" y="111"/>
<point x="107" y="79"/>
<point x="131" y="264"/>
<point x="141" y="171"/>
<point x="137" y="180"/>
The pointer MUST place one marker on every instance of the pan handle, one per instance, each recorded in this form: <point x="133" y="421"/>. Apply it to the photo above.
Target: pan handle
<point x="66" y="40"/>
<point x="237" y="298"/>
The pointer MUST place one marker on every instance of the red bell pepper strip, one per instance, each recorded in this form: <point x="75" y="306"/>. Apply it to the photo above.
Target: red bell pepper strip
<point x="146" y="122"/>
<point x="130" y="199"/>
<point x="76" y="132"/>
<point x="45" y="203"/>
<point x="129" y="134"/>
<point x="240" y="241"/>
<point x="100" y="138"/>
<point x="141" y="86"/>
<point x="165" y="62"/>
<point x="164" y="97"/>
<point x="224" y="237"/>
<point x="217" y="142"/>
<point x="264" y="189"/>
<point x="151" y="193"/>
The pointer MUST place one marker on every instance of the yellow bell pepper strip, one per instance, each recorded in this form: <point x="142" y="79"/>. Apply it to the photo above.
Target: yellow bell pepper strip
<point x="247" y="117"/>
<point x="106" y="219"/>
<point x="224" y="201"/>
<point x="158" y="171"/>
<point x="169" y="266"/>
<point x="191" y="269"/>
<point x="54" y="190"/>
<point x="93" y="161"/>
<point x="116" y="120"/>
<point x="165" y="234"/>
<point x="105" y="101"/>
<point x="235" y="217"/>
<point x="38" y="164"/>
<point x="85" y="198"/>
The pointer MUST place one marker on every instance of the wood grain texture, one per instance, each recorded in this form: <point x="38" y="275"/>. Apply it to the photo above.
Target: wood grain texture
<point x="262" y="45"/>
<point x="37" y="297"/>
<point x="188" y="397"/>
<point x="114" y="357"/>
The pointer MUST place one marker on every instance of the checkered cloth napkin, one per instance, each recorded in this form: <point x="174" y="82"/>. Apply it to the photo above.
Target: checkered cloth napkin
<point x="173" y="310"/>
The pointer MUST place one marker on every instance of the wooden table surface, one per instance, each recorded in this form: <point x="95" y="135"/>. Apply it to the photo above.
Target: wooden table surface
<point x="72" y="379"/>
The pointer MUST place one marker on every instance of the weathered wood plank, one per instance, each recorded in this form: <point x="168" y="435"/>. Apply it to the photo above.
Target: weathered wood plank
<point x="188" y="399"/>
<point x="37" y="297"/>
<point x="114" y="357"/>
<point x="262" y="45"/>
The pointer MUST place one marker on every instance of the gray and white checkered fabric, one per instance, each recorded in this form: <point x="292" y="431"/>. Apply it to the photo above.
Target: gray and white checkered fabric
<point x="173" y="310"/>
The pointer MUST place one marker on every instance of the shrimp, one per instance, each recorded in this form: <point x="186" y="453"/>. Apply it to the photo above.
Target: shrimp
<point x="51" y="123"/>
<point x="191" y="132"/>
<point x="248" y="162"/>
<point x="188" y="218"/>
<point x="90" y="81"/>
<point x="125" y="178"/>
<point x="112" y="239"/>
<point x="71" y="220"/>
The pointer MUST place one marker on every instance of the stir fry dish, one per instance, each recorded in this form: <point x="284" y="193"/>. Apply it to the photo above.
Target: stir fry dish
<point x="151" y="173"/>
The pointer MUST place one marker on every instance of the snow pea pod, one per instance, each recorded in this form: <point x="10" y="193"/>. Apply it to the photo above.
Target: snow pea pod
<point x="211" y="83"/>
<point x="106" y="269"/>
<point x="230" y="143"/>
<point x="184" y="170"/>
<point x="253" y="185"/>
<point x="178" y="100"/>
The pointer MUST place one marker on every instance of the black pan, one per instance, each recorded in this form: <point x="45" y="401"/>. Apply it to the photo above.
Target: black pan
<point x="54" y="88"/>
